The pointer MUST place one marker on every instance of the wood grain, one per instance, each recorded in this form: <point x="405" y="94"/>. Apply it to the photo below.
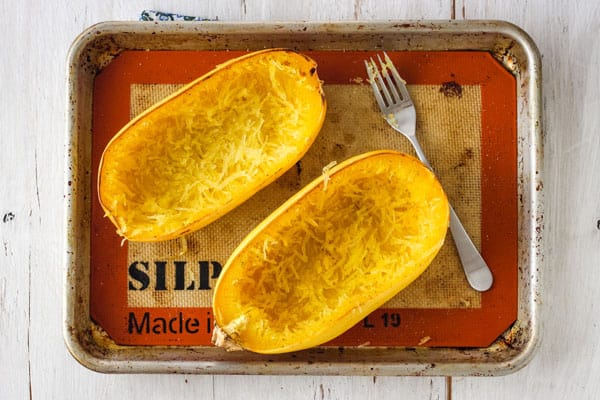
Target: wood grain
<point x="567" y="365"/>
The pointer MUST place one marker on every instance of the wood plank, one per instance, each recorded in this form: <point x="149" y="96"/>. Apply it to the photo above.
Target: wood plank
<point x="314" y="387"/>
<point x="567" y="363"/>
<point x="19" y="211"/>
<point x="315" y="10"/>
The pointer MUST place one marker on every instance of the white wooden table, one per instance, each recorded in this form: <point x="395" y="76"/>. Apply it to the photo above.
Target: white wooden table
<point x="34" y="362"/>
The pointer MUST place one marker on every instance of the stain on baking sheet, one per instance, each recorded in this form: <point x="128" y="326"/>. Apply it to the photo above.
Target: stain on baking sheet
<point x="299" y="168"/>
<point x="451" y="89"/>
<point x="466" y="155"/>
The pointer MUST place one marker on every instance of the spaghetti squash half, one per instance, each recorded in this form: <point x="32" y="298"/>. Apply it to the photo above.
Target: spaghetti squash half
<point x="207" y="148"/>
<point x="333" y="253"/>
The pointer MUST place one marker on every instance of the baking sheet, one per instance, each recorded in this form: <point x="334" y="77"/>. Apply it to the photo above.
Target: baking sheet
<point x="96" y="49"/>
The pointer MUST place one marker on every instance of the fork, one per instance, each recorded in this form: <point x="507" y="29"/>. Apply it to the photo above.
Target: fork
<point x="399" y="111"/>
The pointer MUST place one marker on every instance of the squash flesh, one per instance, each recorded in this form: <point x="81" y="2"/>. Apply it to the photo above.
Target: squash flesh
<point x="331" y="255"/>
<point x="206" y="149"/>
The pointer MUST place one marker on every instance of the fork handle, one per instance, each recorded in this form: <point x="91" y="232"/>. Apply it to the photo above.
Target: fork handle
<point x="420" y="153"/>
<point x="476" y="269"/>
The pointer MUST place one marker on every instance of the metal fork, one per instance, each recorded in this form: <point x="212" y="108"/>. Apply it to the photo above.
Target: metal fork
<point x="399" y="111"/>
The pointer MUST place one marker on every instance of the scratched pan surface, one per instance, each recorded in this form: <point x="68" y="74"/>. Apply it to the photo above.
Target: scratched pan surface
<point x="512" y="47"/>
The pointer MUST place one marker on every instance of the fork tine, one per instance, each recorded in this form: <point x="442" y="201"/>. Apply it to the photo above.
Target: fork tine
<point x="390" y="82"/>
<point x="401" y="83"/>
<point x="381" y="84"/>
<point x="371" y="70"/>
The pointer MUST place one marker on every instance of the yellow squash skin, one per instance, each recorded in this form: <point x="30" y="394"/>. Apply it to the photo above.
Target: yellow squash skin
<point x="333" y="253"/>
<point x="204" y="150"/>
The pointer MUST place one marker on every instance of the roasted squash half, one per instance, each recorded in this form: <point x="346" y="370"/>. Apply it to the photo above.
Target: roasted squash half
<point x="331" y="254"/>
<point x="210" y="146"/>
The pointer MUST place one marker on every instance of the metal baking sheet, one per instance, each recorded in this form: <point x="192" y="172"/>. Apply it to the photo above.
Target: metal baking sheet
<point x="95" y="48"/>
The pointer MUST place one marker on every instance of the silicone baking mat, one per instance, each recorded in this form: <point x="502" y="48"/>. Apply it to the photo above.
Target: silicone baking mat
<point x="160" y="293"/>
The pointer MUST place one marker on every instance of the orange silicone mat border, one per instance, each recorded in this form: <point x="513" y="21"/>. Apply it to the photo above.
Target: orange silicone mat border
<point x="436" y="327"/>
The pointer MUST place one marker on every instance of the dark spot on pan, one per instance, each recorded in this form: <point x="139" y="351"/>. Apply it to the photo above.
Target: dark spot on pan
<point x="339" y="151"/>
<point x="465" y="157"/>
<point x="451" y="89"/>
